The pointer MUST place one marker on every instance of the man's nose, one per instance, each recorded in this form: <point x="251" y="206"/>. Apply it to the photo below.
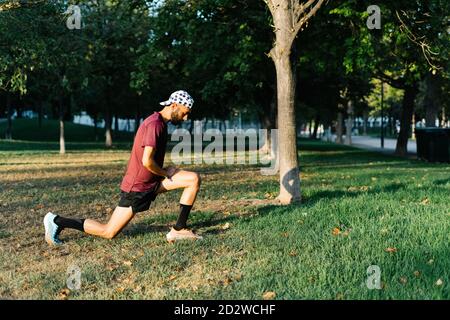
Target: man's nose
<point x="185" y="117"/>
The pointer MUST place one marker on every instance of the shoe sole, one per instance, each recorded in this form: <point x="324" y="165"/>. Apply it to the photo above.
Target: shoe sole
<point x="47" y="237"/>
<point x="172" y="240"/>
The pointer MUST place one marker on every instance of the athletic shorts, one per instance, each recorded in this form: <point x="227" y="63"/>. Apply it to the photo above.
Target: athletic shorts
<point x="139" y="201"/>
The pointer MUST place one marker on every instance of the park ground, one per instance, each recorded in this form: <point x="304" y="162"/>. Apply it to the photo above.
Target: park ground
<point x="359" y="209"/>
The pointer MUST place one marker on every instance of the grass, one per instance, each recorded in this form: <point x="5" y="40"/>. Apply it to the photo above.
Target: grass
<point x="29" y="130"/>
<point x="358" y="209"/>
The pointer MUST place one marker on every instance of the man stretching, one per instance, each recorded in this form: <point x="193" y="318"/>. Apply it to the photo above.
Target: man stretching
<point x="145" y="178"/>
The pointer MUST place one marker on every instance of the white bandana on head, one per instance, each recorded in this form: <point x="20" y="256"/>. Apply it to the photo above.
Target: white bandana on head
<point x="180" y="97"/>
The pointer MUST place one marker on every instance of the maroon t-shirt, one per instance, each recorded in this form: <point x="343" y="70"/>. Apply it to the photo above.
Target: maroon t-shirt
<point x="152" y="132"/>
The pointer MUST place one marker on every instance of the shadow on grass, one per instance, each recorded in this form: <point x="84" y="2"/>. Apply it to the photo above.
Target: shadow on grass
<point x="441" y="182"/>
<point x="212" y="226"/>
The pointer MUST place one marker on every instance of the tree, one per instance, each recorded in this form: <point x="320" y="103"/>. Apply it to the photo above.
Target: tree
<point x="289" y="17"/>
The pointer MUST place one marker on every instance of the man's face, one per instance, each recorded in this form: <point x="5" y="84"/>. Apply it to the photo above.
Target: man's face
<point x="179" y="113"/>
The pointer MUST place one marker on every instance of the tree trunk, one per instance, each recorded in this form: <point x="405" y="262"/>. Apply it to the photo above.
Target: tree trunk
<point x="444" y="118"/>
<point x="340" y="118"/>
<point x="431" y="100"/>
<point x="288" y="18"/>
<point x="8" y="134"/>
<point x="62" y="142"/>
<point x="287" y="138"/>
<point x="349" y="123"/>
<point x="405" y="120"/>
<point x="108" y="124"/>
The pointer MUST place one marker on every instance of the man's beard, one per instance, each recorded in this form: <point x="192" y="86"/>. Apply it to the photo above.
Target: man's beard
<point x="175" y="119"/>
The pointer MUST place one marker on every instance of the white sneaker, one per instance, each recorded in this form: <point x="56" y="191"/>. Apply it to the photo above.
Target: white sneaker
<point x="183" y="234"/>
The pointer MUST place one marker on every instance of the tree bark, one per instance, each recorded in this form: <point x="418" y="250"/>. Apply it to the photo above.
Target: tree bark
<point x="405" y="120"/>
<point x="287" y="140"/>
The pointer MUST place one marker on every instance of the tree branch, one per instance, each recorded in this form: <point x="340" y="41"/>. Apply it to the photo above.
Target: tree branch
<point x="396" y="83"/>
<point x="304" y="18"/>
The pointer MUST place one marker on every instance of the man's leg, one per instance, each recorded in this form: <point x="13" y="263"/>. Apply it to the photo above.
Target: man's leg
<point x="190" y="182"/>
<point x="119" y="219"/>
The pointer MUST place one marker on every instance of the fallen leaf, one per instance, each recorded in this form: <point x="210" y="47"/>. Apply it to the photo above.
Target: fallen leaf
<point x="430" y="261"/>
<point x="335" y="231"/>
<point x="391" y="250"/>
<point x="417" y="273"/>
<point x="172" y="277"/>
<point x="64" y="294"/>
<point x="403" y="280"/>
<point x="120" y="289"/>
<point x="285" y="234"/>
<point x="439" y="282"/>
<point x="109" y="210"/>
<point x="226" y="226"/>
<point x="269" y="295"/>
<point x="127" y="263"/>
<point x="425" y="201"/>
<point x="293" y="253"/>
<point x="227" y="281"/>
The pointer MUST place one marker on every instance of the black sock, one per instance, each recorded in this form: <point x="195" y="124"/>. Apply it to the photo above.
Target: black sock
<point x="182" y="218"/>
<point x="70" y="223"/>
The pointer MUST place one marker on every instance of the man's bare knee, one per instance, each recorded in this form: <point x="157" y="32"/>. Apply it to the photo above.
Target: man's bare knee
<point x="109" y="234"/>
<point x="196" y="180"/>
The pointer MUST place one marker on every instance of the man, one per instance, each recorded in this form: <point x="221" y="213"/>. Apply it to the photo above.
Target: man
<point x="145" y="178"/>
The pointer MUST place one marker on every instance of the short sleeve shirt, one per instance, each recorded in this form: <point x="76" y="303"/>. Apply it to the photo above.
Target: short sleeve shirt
<point x="152" y="132"/>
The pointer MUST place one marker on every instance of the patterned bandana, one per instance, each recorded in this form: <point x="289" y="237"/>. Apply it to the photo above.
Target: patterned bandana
<point x="180" y="97"/>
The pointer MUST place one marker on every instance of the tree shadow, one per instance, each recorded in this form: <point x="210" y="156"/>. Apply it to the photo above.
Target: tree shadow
<point x="441" y="182"/>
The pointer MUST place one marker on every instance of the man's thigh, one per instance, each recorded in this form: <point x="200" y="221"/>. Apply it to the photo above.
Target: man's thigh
<point x="181" y="179"/>
<point x="120" y="218"/>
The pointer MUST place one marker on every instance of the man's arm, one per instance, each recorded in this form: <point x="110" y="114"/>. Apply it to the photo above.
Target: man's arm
<point x="150" y="164"/>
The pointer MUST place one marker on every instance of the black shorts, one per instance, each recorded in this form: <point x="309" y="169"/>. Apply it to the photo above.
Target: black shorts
<point x="139" y="201"/>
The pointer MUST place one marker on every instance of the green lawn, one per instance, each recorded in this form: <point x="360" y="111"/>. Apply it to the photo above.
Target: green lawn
<point x="359" y="209"/>
<point x="28" y="129"/>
